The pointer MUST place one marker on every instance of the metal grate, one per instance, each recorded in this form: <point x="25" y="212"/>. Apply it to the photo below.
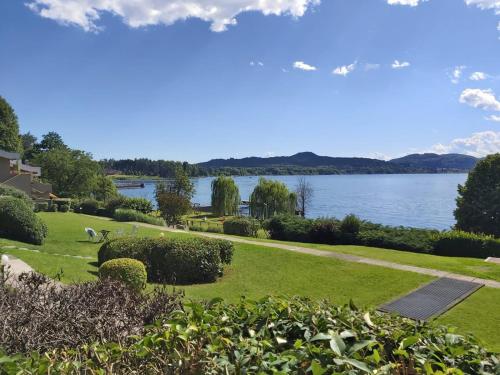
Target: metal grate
<point x="432" y="299"/>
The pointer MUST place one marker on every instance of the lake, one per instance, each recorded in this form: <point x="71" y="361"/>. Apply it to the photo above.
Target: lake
<point x="415" y="200"/>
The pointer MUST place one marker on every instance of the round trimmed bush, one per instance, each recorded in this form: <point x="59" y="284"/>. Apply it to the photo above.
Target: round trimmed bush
<point x="19" y="222"/>
<point x="242" y="226"/>
<point x="129" y="271"/>
<point x="89" y="206"/>
<point x="64" y="208"/>
<point x="10" y="191"/>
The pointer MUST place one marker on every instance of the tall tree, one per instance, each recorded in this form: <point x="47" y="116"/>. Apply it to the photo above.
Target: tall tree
<point x="305" y="192"/>
<point x="271" y="198"/>
<point x="52" y="141"/>
<point x="105" y="188"/>
<point x="225" y="196"/>
<point x="28" y="141"/>
<point x="181" y="184"/>
<point x="478" y="202"/>
<point x="9" y="128"/>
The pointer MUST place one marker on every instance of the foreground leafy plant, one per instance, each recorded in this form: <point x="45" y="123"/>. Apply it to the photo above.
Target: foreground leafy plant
<point x="273" y="335"/>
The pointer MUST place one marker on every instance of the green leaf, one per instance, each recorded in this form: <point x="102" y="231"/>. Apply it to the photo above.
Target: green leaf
<point x="360" y="345"/>
<point x="316" y="368"/>
<point x="321" y="336"/>
<point x="360" y="365"/>
<point x="337" y="345"/>
<point x="408" y="341"/>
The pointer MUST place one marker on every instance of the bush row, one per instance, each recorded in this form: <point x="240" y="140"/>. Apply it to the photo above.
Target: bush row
<point x="273" y="336"/>
<point x="241" y="226"/>
<point x="52" y="207"/>
<point x="125" y="214"/>
<point x="353" y="231"/>
<point x="173" y="260"/>
<point x="19" y="222"/>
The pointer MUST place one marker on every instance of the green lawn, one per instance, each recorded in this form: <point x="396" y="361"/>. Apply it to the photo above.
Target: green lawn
<point x="257" y="271"/>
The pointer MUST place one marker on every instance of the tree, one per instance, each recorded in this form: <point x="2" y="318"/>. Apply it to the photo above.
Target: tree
<point x="478" y="202"/>
<point x="225" y="196"/>
<point x="305" y="192"/>
<point x="72" y="173"/>
<point x="271" y="198"/>
<point x="105" y="188"/>
<point x="28" y="141"/>
<point x="173" y="206"/>
<point x="182" y="185"/>
<point x="51" y="141"/>
<point x="9" y="128"/>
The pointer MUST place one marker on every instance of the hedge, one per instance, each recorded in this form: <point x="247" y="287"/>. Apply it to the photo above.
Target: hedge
<point x="464" y="244"/>
<point x="10" y="191"/>
<point x="289" y="228"/>
<point x="123" y="214"/>
<point x="19" y="222"/>
<point x="241" y="226"/>
<point x="129" y="271"/>
<point x="173" y="260"/>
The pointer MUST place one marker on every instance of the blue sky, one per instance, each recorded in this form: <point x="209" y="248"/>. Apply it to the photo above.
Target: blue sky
<point x="217" y="78"/>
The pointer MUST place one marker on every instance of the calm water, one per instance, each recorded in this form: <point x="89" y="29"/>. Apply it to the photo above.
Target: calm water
<point x="422" y="200"/>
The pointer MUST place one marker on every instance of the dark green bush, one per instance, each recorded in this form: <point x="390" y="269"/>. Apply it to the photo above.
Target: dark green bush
<point x="464" y="244"/>
<point x="181" y="261"/>
<point x="89" y="206"/>
<point x="41" y="206"/>
<point x="242" y="226"/>
<point x="124" y="214"/>
<point x="399" y="238"/>
<point x="53" y="207"/>
<point x="350" y="227"/>
<point x="113" y="204"/>
<point x="274" y="336"/>
<point x="129" y="271"/>
<point x="19" y="222"/>
<point x="64" y="208"/>
<point x="326" y="231"/>
<point x="289" y="228"/>
<point x="10" y="191"/>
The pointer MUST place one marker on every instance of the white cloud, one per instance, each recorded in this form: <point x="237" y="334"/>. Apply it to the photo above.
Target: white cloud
<point x="478" y="76"/>
<point x="220" y="13"/>
<point x="400" y="64"/>
<point x="369" y="67"/>
<point x="303" y="66"/>
<point x="478" y="145"/>
<point x="477" y="98"/>
<point x="344" y="70"/>
<point x="456" y="73"/>
<point x="493" y="118"/>
<point x="256" y="63"/>
<point x="412" y="3"/>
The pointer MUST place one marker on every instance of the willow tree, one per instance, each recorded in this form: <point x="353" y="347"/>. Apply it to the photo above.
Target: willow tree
<point x="225" y="196"/>
<point x="271" y="198"/>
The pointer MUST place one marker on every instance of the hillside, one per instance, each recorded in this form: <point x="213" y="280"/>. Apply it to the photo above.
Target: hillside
<point x="310" y="163"/>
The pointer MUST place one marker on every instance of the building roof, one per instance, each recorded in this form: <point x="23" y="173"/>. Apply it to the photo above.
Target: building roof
<point x="9" y="155"/>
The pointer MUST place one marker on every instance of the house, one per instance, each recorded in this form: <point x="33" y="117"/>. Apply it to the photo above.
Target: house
<point x="23" y="177"/>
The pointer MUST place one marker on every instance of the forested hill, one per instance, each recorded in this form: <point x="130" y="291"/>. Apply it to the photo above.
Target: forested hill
<point x="301" y="163"/>
<point x="310" y="163"/>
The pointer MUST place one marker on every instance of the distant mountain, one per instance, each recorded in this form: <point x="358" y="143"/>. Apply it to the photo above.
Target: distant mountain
<point x="447" y="161"/>
<point x="310" y="163"/>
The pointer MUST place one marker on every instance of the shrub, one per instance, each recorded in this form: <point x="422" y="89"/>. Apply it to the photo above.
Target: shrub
<point x="52" y="207"/>
<point x="40" y="315"/>
<point x="19" y="222"/>
<point x="242" y="226"/>
<point x="9" y="191"/>
<point x="41" y="206"/>
<point x="399" y="238"/>
<point x="123" y="214"/>
<point x="129" y="271"/>
<point x="289" y="228"/>
<point x="181" y="260"/>
<point x="139" y="204"/>
<point x="325" y="231"/>
<point x="173" y="206"/>
<point x="464" y="244"/>
<point x="113" y="204"/>
<point x="275" y="336"/>
<point x="350" y="227"/>
<point x="64" y="207"/>
<point x="89" y="206"/>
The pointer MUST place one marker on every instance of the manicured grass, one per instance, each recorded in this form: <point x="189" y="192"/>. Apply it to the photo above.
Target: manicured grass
<point x="258" y="271"/>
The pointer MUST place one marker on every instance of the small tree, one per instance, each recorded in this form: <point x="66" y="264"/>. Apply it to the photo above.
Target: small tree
<point x="173" y="206"/>
<point x="478" y="202"/>
<point x="105" y="188"/>
<point x="271" y="198"/>
<point x="225" y="196"/>
<point x="305" y="192"/>
<point x="182" y="185"/>
<point x="9" y="128"/>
